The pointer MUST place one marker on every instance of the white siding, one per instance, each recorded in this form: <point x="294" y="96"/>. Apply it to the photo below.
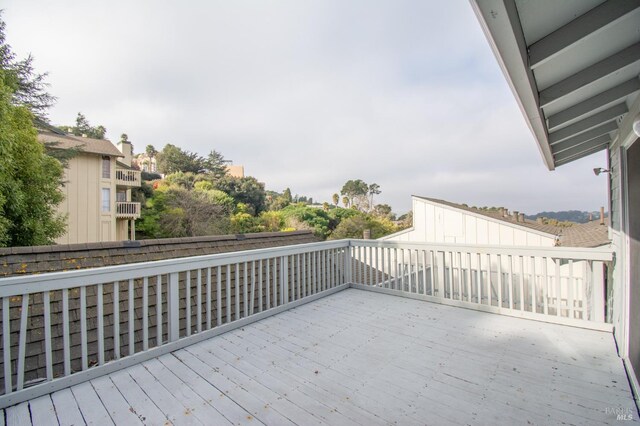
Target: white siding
<point x="438" y="223"/>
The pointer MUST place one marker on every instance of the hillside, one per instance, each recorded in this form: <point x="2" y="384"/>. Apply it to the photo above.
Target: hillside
<point x="567" y="215"/>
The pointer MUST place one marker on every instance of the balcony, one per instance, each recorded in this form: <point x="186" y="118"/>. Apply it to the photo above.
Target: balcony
<point x="128" y="178"/>
<point x="316" y="333"/>
<point x="127" y="210"/>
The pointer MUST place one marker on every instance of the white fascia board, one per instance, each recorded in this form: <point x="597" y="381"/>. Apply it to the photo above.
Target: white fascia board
<point x="501" y="25"/>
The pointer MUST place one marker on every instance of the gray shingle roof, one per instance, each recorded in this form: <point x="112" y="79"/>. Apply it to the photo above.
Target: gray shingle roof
<point x="89" y="145"/>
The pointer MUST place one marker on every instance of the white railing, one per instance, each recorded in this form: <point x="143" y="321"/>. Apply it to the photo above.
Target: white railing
<point x="563" y="285"/>
<point x="126" y="177"/>
<point x="127" y="210"/>
<point x="58" y="329"/>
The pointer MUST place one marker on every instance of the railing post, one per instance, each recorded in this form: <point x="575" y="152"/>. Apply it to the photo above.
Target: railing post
<point x="347" y="263"/>
<point x="173" y="306"/>
<point x="284" y="280"/>
<point x="597" y="291"/>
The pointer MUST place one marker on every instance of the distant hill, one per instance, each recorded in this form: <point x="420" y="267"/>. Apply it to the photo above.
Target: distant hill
<point x="568" y="215"/>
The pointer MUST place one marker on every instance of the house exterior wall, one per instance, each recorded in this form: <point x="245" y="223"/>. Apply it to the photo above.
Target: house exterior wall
<point x="624" y="293"/>
<point x="437" y="223"/>
<point x="83" y="200"/>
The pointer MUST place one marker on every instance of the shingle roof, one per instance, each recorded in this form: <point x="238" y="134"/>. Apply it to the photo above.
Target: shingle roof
<point x="590" y="234"/>
<point x="89" y="145"/>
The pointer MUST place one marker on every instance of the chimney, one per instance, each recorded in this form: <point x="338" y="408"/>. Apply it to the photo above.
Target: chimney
<point x="506" y="213"/>
<point x="501" y="211"/>
<point x="521" y="217"/>
<point x="540" y="220"/>
<point x="601" y="215"/>
<point x="366" y="234"/>
<point x="590" y="217"/>
<point x="515" y="215"/>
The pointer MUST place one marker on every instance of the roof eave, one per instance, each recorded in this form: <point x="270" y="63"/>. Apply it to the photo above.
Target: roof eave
<point x="501" y="25"/>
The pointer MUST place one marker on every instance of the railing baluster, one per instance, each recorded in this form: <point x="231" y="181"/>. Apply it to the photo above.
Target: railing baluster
<point x="479" y="279"/>
<point x="274" y="282"/>
<point x="65" y="331"/>
<point x="489" y="282"/>
<point x="187" y="302"/>
<point x="511" y="283"/>
<point x="199" y="301"/>
<point x="237" y="291"/>
<point x="145" y="313"/>
<point x="469" y="296"/>
<point x="22" y="343"/>
<point x="268" y="285"/>
<point x="364" y="266"/>
<point x="173" y="306"/>
<point x="132" y="347"/>
<point x="452" y="284"/>
<point x="521" y="283"/>
<point x="432" y="272"/>
<point x="159" y="310"/>
<point x="46" y="299"/>
<point x="83" y="327"/>
<point x="245" y="290"/>
<point x="208" y="296"/>
<point x="116" y="319"/>
<point x="304" y="274"/>
<point x="285" y="280"/>
<point x="545" y="287"/>
<point x="6" y="344"/>
<point x="260" y="284"/>
<point x="314" y="275"/>
<point x="570" y="291"/>
<point x="253" y="287"/>
<point x="460" y="276"/>
<point x="558" y="285"/>
<point x="218" y="296"/>
<point x="100" y="303"/>
<point x="228" y="293"/>
<point x="534" y="295"/>
<point x="500" y="280"/>
<point x="298" y="278"/>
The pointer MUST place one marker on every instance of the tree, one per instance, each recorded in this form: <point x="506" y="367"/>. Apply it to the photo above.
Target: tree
<point x="374" y="189"/>
<point x="124" y="138"/>
<point x="383" y="210"/>
<point x="345" y="202"/>
<point x="246" y="190"/>
<point x="83" y="128"/>
<point x="173" y="159"/>
<point x="215" y="164"/>
<point x="358" y="192"/>
<point x="151" y="151"/>
<point x="30" y="180"/>
<point x="354" y="227"/>
<point x="336" y="199"/>
<point x="28" y="88"/>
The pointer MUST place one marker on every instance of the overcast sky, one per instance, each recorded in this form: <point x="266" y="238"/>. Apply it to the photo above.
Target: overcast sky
<point x="305" y="94"/>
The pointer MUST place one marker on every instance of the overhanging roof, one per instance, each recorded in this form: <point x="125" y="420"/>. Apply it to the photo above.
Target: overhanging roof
<point x="573" y="65"/>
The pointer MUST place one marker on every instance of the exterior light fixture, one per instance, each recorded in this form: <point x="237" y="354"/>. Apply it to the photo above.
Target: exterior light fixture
<point x="636" y="125"/>
<point x="599" y="170"/>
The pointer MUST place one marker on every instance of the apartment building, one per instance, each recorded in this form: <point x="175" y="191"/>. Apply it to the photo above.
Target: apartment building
<point x="97" y="189"/>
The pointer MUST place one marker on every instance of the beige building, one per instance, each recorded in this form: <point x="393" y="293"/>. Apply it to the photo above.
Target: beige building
<point x="97" y="189"/>
<point x="235" y="171"/>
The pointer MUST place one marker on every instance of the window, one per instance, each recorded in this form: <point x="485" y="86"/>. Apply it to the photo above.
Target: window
<point x="121" y="196"/>
<point x="106" y="167"/>
<point x="106" y="200"/>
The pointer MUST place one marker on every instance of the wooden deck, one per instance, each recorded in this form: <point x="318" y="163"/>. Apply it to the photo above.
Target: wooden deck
<point x="361" y="358"/>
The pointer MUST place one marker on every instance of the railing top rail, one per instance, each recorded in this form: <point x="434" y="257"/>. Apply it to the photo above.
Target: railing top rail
<point x="13" y="286"/>
<point x="68" y="279"/>
<point x="604" y="253"/>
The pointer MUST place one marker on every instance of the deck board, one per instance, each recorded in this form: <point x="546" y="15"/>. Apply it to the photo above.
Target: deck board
<point x="360" y="358"/>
